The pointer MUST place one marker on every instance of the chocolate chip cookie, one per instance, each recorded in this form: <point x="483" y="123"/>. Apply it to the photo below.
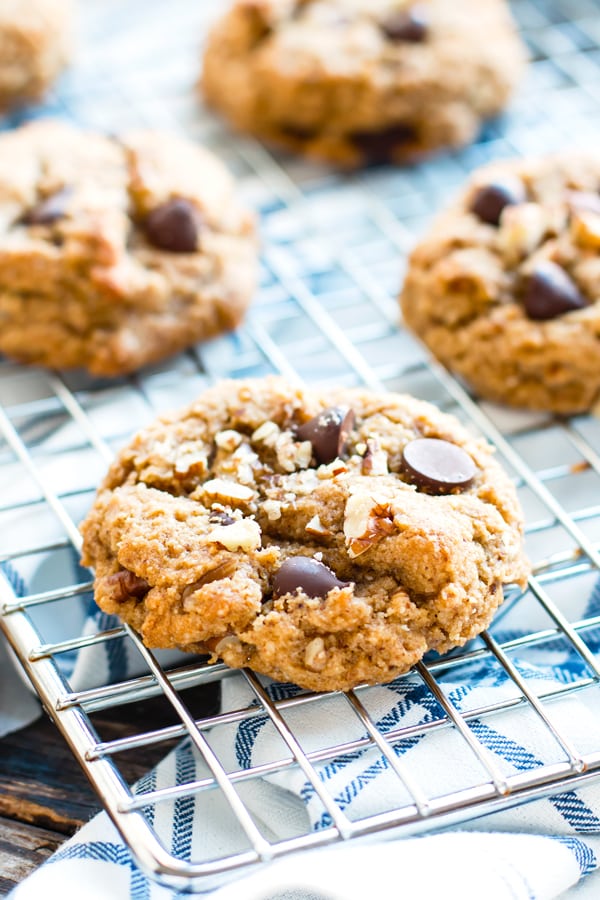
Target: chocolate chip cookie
<point x="35" y="44"/>
<point x="505" y="289"/>
<point x="357" y="82"/>
<point x="116" y="252"/>
<point x="328" y="539"/>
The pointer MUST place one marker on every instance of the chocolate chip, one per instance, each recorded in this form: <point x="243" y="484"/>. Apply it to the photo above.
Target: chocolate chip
<point x="406" y="25"/>
<point x="328" y="432"/>
<point x="48" y="210"/>
<point x="311" y="576"/>
<point x="124" y="585"/>
<point x="550" y="292"/>
<point x="378" y="146"/>
<point x="491" y="199"/>
<point x="437" y="466"/>
<point x="174" y="226"/>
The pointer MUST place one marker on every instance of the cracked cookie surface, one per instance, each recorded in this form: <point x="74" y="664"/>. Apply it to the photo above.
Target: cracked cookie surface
<point x="116" y="252"/>
<point x="35" y="45"/>
<point x="358" y="82"/>
<point x="328" y="539"/>
<point x="505" y="288"/>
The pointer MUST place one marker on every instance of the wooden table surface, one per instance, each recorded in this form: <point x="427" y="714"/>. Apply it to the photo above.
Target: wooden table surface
<point x="44" y="795"/>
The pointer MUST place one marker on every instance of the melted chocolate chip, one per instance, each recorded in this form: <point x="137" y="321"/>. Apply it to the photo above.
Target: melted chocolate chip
<point x="328" y="432"/>
<point x="437" y="466"/>
<point x="50" y="209"/>
<point x="174" y="226"/>
<point x="550" y="292"/>
<point x="379" y="146"/>
<point x="311" y="576"/>
<point x="408" y="25"/>
<point x="124" y="585"/>
<point x="491" y="199"/>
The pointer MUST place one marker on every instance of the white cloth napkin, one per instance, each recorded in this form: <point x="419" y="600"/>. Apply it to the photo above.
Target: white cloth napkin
<point x="534" y="851"/>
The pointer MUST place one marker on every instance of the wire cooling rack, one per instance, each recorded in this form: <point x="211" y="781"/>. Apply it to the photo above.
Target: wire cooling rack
<point x="334" y="248"/>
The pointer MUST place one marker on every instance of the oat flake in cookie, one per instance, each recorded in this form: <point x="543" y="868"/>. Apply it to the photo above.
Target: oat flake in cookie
<point x="505" y="288"/>
<point x="362" y="81"/>
<point x="328" y="539"/>
<point x="35" y="45"/>
<point x="116" y="252"/>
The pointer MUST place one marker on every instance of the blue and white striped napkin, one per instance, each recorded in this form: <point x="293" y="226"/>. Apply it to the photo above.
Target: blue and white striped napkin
<point x="535" y="851"/>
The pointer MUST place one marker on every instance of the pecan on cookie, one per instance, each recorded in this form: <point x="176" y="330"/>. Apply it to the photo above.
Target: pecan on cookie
<point x="115" y="253"/>
<point x="505" y="288"/>
<point x="35" y="46"/>
<point x="356" y="82"/>
<point x="325" y="538"/>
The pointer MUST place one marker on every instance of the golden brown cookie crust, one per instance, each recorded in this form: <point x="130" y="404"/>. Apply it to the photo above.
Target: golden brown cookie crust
<point x="464" y="293"/>
<point x="35" y="46"/>
<point x="323" y="78"/>
<point x="197" y="515"/>
<point x="87" y="288"/>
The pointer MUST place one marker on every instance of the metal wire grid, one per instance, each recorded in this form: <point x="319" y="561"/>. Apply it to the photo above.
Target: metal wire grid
<point x="333" y="248"/>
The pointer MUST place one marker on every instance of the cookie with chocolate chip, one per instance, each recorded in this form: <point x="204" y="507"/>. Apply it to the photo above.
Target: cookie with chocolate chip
<point x="324" y="538"/>
<point x="505" y="288"/>
<point x="116" y="252"/>
<point x="35" y="46"/>
<point x="356" y="82"/>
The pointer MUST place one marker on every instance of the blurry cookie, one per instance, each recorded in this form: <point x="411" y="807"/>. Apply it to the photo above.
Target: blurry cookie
<point x="327" y="539"/>
<point x="116" y="252"/>
<point x="505" y="288"/>
<point x="357" y="81"/>
<point x="35" y="44"/>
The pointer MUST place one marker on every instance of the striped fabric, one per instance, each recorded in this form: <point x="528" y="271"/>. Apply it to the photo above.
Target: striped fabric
<point x="534" y="851"/>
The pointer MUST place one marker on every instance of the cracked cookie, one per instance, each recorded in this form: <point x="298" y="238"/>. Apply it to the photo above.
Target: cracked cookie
<point x="35" y="45"/>
<point x="328" y="539"/>
<point x="358" y="82"/>
<point x="505" y="288"/>
<point x="116" y="252"/>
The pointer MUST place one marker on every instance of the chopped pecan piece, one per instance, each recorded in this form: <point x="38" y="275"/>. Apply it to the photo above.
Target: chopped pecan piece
<point x="366" y="522"/>
<point x="224" y="570"/>
<point x="125" y="584"/>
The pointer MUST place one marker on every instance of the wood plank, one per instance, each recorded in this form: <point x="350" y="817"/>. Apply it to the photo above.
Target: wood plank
<point x="22" y="849"/>
<point x="42" y="784"/>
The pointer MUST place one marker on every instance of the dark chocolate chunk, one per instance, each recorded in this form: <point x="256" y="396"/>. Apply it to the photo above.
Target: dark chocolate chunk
<point x="408" y="25"/>
<point x="328" y="432"/>
<point x="50" y="209"/>
<point x="174" y="226"/>
<point x="491" y="199"/>
<point x="379" y="146"/>
<point x="550" y="292"/>
<point x="437" y="466"/>
<point x="124" y="585"/>
<point x="311" y="576"/>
